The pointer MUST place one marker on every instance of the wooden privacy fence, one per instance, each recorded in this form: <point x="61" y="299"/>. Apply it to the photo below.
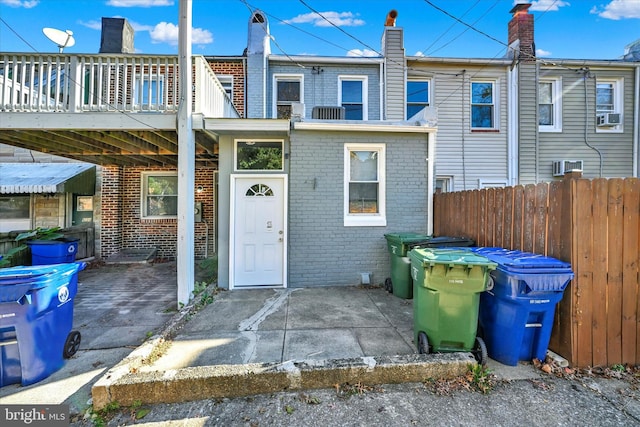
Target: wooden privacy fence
<point x="594" y="225"/>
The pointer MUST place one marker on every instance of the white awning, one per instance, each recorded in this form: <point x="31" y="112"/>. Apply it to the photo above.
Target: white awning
<point x="17" y="178"/>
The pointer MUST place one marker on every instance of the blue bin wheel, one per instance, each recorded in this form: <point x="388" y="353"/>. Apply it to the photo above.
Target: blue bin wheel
<point x="72" y="344"/>
<point x="423" y="343"/>
<point x="480" y="351"/>
<point x="388" y="285"/>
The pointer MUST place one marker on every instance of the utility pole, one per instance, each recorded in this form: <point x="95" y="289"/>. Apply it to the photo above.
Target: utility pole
<point x="186" y="159"/>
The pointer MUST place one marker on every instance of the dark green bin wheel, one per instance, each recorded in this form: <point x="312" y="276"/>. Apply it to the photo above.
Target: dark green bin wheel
<point x="72" y="344"/>
<point x="480" y="352"/>
<point x="423" y="343"/>
<point x="388" y="285"/>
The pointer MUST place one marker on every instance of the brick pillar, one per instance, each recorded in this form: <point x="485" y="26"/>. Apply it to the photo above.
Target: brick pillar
<point x="521" y="28"/>
<point x="111" y="211"/>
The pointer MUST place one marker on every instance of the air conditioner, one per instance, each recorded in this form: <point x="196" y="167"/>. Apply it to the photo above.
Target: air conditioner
<point x="328" y="113"/>
<point x="560" y="167"/>
<point x="297" y="110"/>
<point x="608" y="119"/>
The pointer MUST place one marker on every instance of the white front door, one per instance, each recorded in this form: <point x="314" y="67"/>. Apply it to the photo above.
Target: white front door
<point x="258" y="231"/>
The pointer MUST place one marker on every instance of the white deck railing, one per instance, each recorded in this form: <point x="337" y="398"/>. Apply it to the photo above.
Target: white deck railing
<point x="117" y="83"/>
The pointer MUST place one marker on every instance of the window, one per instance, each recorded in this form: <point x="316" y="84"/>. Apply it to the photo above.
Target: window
<point x="483" y="105"/>
<point x="417" y="96"/>
<point x="149" y="90"/>
<point x="549" y="105"/>
<point x="259" y="155"/>
<point x="609" y="100"/>
<point x="14" y="212"/>
<point x="159" y="195"/>
<point x="288" y="90"/>
<point x="444" y="184"/>
<point x="352" y="95"/>
<point x="364" y="185"/>
<point x="227" y="84"/>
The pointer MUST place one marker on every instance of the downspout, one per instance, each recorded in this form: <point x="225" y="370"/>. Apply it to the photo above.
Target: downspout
<point x="383" y="105"/>
<point x="636" y="121"/>
<point x="537" y="132"/>
<point x="512" y="154"/>
<point x="244" y="96"/>
<point x="431" y="157"/>
<point x="586" y="75"/>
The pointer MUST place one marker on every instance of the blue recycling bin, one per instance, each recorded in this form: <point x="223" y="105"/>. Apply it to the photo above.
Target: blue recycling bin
<point x="45" y="252"/>
<point x="516" y="316"/>
<point x="36" y="317"/>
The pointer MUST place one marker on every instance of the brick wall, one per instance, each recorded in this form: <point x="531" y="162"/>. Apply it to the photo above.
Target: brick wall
<point x="123" y="227"/>
<point x="321" y="250"/>
<point x="235" y="69"/>
<point x="111" y="212"/>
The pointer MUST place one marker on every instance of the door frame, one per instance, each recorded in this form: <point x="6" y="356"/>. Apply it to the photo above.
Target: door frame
<point x="232" y="225"/>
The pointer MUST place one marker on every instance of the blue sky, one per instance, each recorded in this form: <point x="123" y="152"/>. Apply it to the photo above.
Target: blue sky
<point x="582" y="29"/>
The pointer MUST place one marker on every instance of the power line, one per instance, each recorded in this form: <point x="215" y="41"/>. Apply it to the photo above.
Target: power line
<point x="450" y="27"/>
<point x="18" y="35"/>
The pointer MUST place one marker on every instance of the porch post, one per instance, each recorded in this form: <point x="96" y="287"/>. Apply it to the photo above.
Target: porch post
<point x="186" y="159"/>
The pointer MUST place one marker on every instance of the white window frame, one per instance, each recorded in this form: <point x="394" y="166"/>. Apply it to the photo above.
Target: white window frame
<point x="446" y="185"/>
<point x="255" y="141"/>
<point x="140" y="92"/>
<point x="144" y="189"/>
<point x="365" y="91"/>
<point x="429" y="91"/>
<point x="556" y="102"/>
<point x="618" y="104"/>
<point x="495" y="104"/>
<point x="227" y="84"/>
<point x="378" y="219"/>
<point x="285" y="77"/>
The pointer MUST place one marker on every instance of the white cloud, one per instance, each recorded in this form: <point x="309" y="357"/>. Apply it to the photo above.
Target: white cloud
<point x="93" y="24"/>
<point x="166" y="32"/>
<point x="618" y="9"/>
<point x="339" y="19"/>
<point x="542" y="53"/>
<point x="419" y="53"/>
<point x="27" y="4"/>
<point x="139" y="3"/>
<point x="546" y="5"/>
<point x="362" y="53"/>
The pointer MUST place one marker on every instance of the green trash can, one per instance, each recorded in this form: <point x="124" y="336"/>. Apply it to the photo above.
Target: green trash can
<point x="447" y="285"/>
<point x="399" y="244"/>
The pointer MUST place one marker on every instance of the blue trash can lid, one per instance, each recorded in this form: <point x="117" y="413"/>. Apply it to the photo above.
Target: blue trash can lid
<point x="523" y="262"/>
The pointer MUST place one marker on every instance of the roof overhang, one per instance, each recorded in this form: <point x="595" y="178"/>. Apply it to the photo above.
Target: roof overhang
<point x="21" y="178"/>
<point x="259" y="127"/>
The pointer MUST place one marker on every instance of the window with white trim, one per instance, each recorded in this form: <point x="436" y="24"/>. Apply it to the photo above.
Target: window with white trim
<point x="364" y="185"/>
<point x="159" y="195"/>
<point x="444" y="184"/>
<point x="352" y="95"/>
<point x="227" y="84"/>
<point x="483" y="105"/>
<point x="418" y="93"/>
<point x="149" y="90"/>
<point x="609" y="100"/>
<point x="288" y="89"/>
<point x="550" y="105"/>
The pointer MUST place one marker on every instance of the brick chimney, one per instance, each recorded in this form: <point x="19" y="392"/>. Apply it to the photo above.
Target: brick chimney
<point x="521" y="31"/>
<point x="117" y="36"/>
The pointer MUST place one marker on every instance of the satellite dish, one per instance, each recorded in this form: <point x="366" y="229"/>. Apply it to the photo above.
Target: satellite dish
<point x="61" y="38"/>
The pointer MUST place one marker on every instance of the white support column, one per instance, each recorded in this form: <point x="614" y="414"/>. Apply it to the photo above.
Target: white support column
<point x="186" y="159"/>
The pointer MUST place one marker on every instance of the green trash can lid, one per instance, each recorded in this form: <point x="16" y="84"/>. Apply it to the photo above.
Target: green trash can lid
<point x="451" y="257"/>
<point x="406" y="237"/>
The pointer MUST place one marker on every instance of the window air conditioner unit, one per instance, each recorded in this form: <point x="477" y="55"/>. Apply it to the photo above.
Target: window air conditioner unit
<point x="608" y="119"/>
<point x="328" y="113"/>
<point x="560" y="167"/>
